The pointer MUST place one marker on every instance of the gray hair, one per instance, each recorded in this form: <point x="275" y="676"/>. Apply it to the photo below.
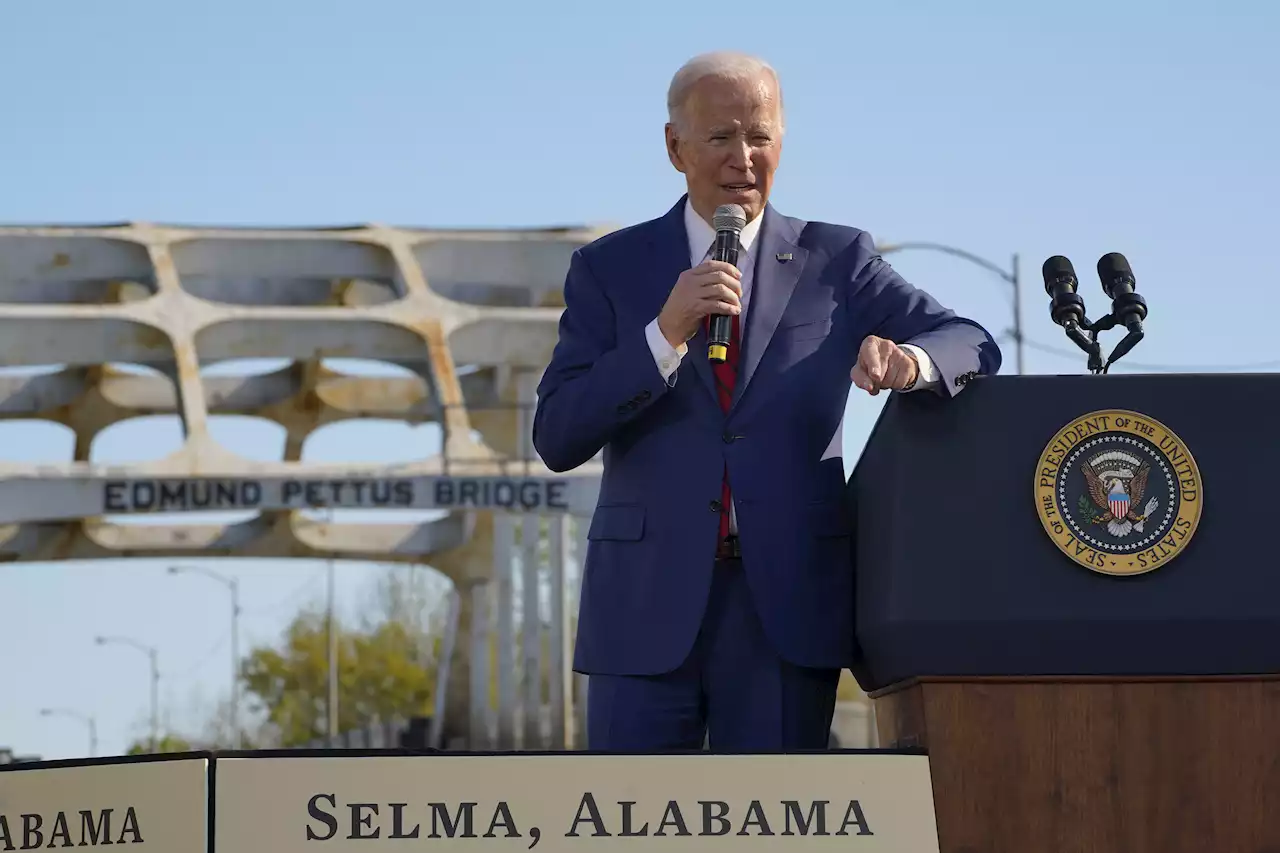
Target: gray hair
<point x="722" y="65"/>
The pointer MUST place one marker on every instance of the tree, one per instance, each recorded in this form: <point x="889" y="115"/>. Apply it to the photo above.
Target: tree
<point x="380" y="676"/>
<point x="167" y="743"/>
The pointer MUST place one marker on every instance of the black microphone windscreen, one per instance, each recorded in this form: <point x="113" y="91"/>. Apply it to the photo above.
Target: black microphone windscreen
<point x="1114" y="265"/>
<point x="1057" y="267"/>
<point x="730" y="217"/>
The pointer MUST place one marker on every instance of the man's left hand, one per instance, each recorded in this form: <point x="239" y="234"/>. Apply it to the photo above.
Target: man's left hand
<point x="883" y="365"/>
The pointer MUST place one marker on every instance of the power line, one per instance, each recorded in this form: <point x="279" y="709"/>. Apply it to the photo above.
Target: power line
<point x="292" y="598"/>
<point x="1166" y="368"/>
<point x="201" y="661"/>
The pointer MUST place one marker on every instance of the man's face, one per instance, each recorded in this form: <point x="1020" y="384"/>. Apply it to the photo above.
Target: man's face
<point x="729" y="146"/>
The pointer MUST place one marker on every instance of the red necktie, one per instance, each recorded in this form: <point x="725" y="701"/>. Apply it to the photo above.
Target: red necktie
<point x="726" y="377"/>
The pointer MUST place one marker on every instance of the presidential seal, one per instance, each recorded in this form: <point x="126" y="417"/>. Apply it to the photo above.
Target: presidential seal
<point x="1118" y="492"/>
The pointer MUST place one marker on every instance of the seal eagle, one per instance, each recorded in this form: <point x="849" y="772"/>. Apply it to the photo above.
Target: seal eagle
<point x="1117" y="490"/>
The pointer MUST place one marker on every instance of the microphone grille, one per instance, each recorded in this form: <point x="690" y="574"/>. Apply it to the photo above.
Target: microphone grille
<point x="1057" y="267"/>
<point x="730" y="217"/>
<point x="1114" y="265"/>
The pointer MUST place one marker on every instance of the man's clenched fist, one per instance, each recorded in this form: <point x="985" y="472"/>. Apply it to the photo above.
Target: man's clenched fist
<point x="883" y="365"/>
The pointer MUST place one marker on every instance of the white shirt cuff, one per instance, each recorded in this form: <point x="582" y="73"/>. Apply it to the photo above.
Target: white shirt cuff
<point x="928" y="370"/>
<point x="665" y="356"/>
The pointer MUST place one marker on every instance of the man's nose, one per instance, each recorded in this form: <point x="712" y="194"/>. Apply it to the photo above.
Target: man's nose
<point x="741" y="155"/>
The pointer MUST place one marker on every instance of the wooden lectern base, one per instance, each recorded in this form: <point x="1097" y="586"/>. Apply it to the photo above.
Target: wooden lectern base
<point x="1095" y="765"/>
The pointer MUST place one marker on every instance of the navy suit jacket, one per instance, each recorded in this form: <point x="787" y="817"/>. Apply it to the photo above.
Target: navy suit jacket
<point x="652" y="539"/>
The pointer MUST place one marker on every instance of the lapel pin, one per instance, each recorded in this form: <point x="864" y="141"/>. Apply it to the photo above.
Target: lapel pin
<point x="783" y="256"/>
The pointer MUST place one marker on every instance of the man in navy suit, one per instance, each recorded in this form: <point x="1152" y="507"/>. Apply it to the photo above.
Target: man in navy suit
<point x="718" y="595"/>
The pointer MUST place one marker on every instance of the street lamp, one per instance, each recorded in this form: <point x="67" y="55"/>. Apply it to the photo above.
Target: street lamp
<point x="153" y="656"/>
<point x="331" y="705"/>
<point x="1011" y="276"/>
<point x="234" y="586"/>
<point x="76" y="715"/>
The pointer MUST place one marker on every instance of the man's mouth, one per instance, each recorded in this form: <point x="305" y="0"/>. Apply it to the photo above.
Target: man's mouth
<point x="739" y="187"/>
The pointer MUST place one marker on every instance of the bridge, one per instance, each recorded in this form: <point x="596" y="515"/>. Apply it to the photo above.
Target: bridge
<point x="107" y="323"/>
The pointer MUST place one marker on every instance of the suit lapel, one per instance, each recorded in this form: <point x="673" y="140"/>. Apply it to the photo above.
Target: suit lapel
<point x="671" y="246"/>
<point x="779" y="263"/>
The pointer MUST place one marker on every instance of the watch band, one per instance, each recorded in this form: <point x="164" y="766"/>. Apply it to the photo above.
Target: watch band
<point x="916" y="378"/>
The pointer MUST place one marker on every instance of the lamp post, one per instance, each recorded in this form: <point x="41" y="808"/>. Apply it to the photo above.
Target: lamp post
<point x="233" y="585"/>
<point x="1012" y="276"/>
<point x="331" y="704"/>
<point x="88" y="720"/>
<point x="153" y="657"/>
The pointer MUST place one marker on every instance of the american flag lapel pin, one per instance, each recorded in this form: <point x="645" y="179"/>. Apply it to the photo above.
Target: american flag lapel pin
<point x="783" y="256"/>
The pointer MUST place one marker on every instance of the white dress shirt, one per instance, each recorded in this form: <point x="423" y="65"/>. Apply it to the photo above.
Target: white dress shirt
<point x="702" y="237"/>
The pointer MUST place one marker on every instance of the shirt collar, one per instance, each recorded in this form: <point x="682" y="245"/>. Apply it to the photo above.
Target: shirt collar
<point x="702" y="235"/>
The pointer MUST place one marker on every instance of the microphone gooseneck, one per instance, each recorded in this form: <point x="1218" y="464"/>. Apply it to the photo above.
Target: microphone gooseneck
<point x="729" y="221"/>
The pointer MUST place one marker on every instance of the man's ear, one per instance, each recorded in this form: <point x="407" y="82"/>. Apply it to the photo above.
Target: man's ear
<point x="673" y="147"/>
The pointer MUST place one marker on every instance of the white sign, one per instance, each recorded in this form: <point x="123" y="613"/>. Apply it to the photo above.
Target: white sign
<point x="153" y="805"/>
<point x="874" y="802"/>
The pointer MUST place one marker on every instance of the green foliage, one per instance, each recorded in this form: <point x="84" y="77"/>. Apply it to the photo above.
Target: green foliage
<point x="380" y="676"/>
<point x="167" y="743"/>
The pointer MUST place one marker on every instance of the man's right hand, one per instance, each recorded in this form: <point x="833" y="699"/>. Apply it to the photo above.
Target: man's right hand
<point x="712" y="287"/>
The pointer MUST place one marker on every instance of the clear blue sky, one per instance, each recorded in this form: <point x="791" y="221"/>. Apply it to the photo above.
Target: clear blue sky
<point x="1000" y="127"/>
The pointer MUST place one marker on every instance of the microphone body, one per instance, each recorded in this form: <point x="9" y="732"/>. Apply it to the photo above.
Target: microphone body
<point x="1065" y="305"/>
<point x="729" y="221"/>
<point x="1127" y="305"/>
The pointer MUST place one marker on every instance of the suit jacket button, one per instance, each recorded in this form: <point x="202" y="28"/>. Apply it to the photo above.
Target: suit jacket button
<point x="716" y="506"/>
<point x="644" y="395"/>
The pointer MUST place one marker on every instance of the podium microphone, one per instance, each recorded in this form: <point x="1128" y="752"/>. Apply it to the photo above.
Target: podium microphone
<point x="1127" y="305"/>
<point x="729" y="221"/>
<point x="1066" y="307"/>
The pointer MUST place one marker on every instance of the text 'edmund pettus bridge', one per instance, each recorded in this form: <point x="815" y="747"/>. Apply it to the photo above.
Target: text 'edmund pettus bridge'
<point x="71" y="497"/>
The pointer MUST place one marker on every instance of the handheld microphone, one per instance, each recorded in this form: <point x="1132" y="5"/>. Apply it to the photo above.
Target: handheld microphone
<point x="1127" y="305"/>
<point x="729" y="221"/>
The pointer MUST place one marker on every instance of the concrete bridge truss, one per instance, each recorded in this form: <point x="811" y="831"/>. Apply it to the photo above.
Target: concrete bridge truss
<point x="120" y="321"/>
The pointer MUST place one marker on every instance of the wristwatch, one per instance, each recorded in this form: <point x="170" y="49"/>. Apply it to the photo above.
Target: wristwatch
<point x="915" y="378"/>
